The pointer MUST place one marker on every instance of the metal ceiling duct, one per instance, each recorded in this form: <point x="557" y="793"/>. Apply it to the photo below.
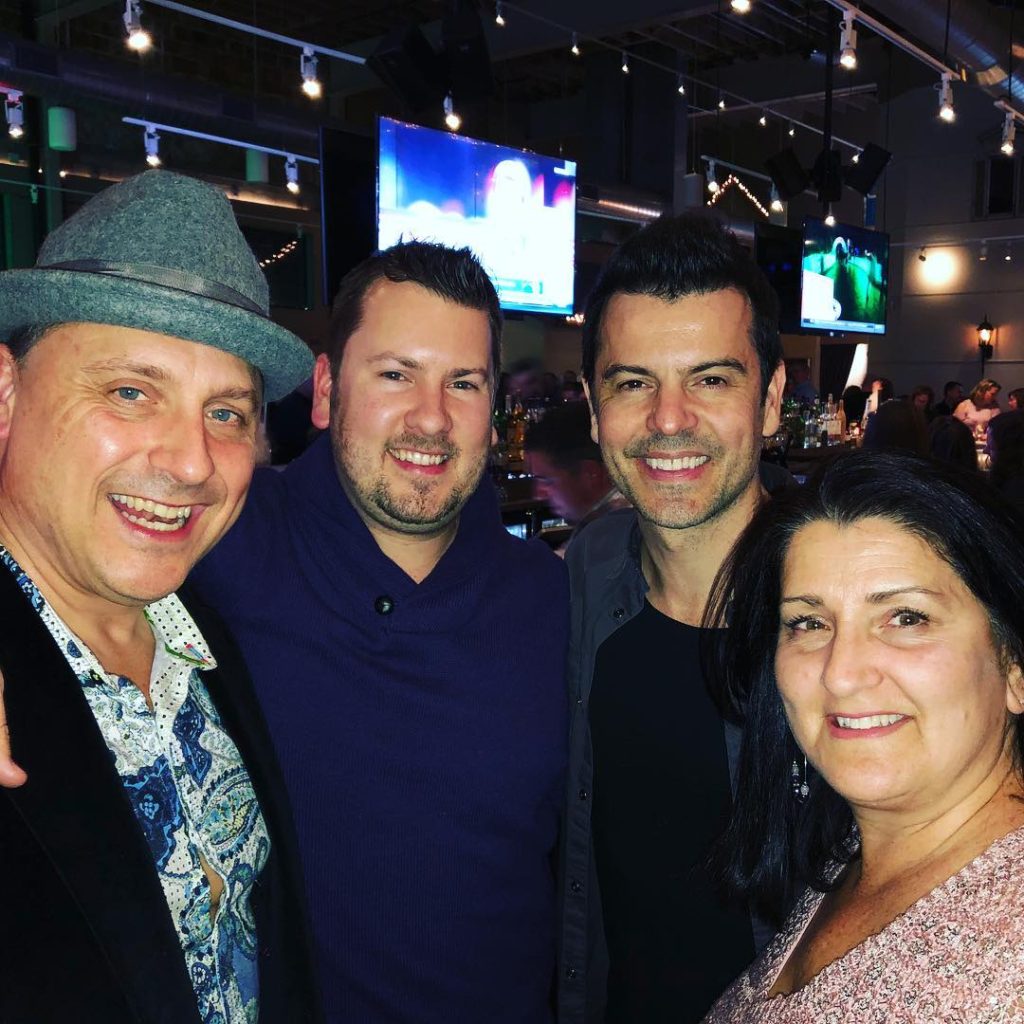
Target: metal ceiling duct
<point x="976" y="39"/>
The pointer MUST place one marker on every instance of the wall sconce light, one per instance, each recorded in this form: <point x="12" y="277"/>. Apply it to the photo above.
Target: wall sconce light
<point x="985" y="350"/>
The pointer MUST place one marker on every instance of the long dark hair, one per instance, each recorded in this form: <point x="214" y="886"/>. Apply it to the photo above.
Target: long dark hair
<point x="775" y="844"/>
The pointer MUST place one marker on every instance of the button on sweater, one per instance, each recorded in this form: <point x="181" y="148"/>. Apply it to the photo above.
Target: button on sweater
<point x="422" y="733"/>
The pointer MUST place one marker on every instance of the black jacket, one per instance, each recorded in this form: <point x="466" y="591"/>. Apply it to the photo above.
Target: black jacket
<point x="87" y="935"/>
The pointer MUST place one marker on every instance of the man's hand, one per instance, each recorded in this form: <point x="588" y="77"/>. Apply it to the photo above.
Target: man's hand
<point x="10" y="774"/>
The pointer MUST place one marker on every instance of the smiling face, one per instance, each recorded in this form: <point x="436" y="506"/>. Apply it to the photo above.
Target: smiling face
<point x="678" y="411"/>
<point x="410" y="413"/>
<point x="888" y="672"/>
<point x="124" y="456"/>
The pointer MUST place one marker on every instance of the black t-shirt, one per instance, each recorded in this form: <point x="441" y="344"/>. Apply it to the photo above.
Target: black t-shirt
<point x="661" y="797"/>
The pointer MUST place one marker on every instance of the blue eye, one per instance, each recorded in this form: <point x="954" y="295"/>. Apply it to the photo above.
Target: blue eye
<point x="129" y="394"/>
<point x="224" y="415"/>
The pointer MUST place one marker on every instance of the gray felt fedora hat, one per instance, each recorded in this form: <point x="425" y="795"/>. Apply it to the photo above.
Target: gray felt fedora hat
<point x="160" y="252"/>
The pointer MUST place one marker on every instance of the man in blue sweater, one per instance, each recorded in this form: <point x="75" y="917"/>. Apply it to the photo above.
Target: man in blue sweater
<point x="409" y="657"/>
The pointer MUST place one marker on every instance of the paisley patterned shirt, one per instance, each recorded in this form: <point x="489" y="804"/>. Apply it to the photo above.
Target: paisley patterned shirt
<point x="191" y="795"/>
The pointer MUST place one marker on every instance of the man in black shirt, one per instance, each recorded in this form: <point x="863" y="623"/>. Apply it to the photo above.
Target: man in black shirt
<point x="952" y="396"/>
<point x="682" y="367"/>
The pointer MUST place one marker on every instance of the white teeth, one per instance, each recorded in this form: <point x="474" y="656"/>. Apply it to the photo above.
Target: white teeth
<point x="868" y="722"/>
<point x="177" y="515"/>
<point x="690" y="462"/>
<point x="155" y="524"/>
<point x="418" y="458"/>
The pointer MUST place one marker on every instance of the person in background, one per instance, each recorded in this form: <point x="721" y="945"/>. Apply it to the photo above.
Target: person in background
<point x="881" y="392"/>
<point x="876" y="660"/>
<point x="148" y="866"/>
<point x="921" y="398"/>
<point x="951" y="441"/>
<point x="897" y="424"/>
<point x="1015" y="400"/>
<point x="952" y="395"/>
<point x="1006" y="449"/>
<point x="526" y="381"/>
<point x="978" y="408"/>
<point x="566" y="466"/>
<point x="854" y="400"/>
<point x="798" y="382"/>
<point x="683" y="367"/>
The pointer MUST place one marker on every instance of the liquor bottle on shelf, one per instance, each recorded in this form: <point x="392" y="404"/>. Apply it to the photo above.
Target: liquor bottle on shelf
<point x="516" y="431"/>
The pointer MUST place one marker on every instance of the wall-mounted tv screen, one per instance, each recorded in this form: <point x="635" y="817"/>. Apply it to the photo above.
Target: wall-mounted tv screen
<point x="845" y="277"/>
<point x="516" y="210"/>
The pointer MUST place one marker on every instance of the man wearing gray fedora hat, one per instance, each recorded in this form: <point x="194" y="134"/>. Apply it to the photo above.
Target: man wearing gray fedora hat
<point x="148" y="870"/>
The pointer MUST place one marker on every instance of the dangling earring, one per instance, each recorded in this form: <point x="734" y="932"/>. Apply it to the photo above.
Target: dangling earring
<point x="798" y="783"/>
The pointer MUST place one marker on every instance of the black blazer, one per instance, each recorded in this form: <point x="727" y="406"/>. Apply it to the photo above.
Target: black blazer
<point x="85" y="932"/>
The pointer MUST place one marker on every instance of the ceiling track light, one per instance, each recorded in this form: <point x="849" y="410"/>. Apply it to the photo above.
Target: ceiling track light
<point x="14" y="114"/>
<point x="740" y="6"/>
<point x="1009" y="252"/>
<point x="946" y="111"/>
<point x="775" y="203"/>
<point x="151" y="141"/>
<point x="310" y="83"/>
<point x="856" y="158"/>
<point x="499" y="14"/>
<point x="763" y="119"/>
<point x="712" y="178"/>
<point x="830" y="219"/>
<point x="291" y="173"/>
<point x="923" y="255"/>
<point x="625" y="63"/>
<point x="721" y="103"/>
<point x="575" y="48"/>
<point x="848" y="42"/>
<point x="1009" y="134"/>
<point x="136" y="37"/>
<point x="681" y="86"/>
<point x="792" y="130"/>
<point x="451" y="119"/>
<point x="983" y="251"/>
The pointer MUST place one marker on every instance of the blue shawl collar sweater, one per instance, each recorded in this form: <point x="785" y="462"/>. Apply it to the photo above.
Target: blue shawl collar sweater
<point x="422" y="731"/>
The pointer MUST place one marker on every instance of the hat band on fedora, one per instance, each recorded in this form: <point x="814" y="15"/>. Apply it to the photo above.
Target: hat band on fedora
<point x="164" y="277"/>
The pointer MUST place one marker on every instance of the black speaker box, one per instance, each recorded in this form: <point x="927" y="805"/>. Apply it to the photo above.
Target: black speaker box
<point x="467" y="55"/>
<point x="868" y="169"/>
<point x="789" y="177"/>
<point x="407" y="64"/>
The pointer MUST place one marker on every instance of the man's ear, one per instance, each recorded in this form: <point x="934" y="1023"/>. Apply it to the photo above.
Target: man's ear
<point x="1015" y="690"/>
<point x="323" y="389"/>
<point x="593" y="413"/>
<point x="8" y="388"/>
<point x="773" y="401"/>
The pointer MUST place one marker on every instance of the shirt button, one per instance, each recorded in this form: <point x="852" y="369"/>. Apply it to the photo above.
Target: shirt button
<point x="619" y="612"/>
<point x="584" y="794"/>
<point x="384" y="605"/>
<point x="570" y="972"/>
<point x="575" y="886"/>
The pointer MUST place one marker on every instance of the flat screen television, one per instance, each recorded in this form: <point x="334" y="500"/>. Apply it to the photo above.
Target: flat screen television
<point x="844" y="278"/>
<point x="516" y="210"/>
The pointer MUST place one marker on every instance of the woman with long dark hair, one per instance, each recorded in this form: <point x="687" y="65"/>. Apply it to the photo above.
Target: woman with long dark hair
<point x="875" y="653"/>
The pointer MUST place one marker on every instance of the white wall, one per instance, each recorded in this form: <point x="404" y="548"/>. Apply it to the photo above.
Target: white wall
<point x="936" y="305"/>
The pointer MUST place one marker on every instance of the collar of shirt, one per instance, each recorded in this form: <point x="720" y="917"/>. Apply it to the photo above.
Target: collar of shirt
<point x="180" y="646"/>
